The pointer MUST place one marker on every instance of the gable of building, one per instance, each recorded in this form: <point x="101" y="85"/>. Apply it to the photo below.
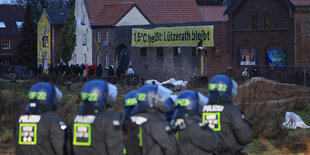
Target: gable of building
<point x="235" y="4"/>
<point x="251" y="14"/>
<point x="133" y="17"/>
<point x="9" y="16"/>
<point x="57" y="16"/>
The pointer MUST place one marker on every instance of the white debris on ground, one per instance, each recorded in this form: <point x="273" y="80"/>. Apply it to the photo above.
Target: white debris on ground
<point x="293" y="121"/>
<point x="177" y="83"/>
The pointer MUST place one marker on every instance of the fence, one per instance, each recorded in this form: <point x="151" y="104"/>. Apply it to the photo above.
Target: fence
<point x="285" y="74"/>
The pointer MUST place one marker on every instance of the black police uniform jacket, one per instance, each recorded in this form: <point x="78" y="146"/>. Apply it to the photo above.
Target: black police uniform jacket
<point x="97" y="134"/>
<point x="195" y="139"/>
<point x="131" y="141"/>
<point x="234" y="130"/>
<point x="153" y="136"/>
<point x="38" y="134"/>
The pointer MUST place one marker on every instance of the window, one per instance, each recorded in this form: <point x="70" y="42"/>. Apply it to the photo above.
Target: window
<point x="159" y="52"/>
<point x="194" y="51"/>
<point x="6" y="44"/>
<point x="45" y="41"/>
<point x="143" y="51"/>
<point x="107" y="60"/>
<point x="247" y="56"/>
<point x="2" y="25"/>
<point x="19" y="24"/>
<point x="254" y="19"/>
<point x="84" y="39"/>
<point x="177" y="51"/>
<point x="267" y="19"/>
<point x="107" y="36"/>
<point x="99" y="37"/>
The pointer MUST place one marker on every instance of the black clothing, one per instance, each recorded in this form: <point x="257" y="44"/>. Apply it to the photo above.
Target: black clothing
<point x="154" y="139"/>
<point x="230" y="123"/>
<point x="131" y="140"/>
<point x="197" y="140"/>
<point x="97" y="134"/>
<point x="40" y="134"/>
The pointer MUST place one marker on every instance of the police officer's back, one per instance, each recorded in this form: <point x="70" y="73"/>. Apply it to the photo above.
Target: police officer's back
<point x="193" y="137"/>
<point x="131" y="140"/>
<point x="226" y="119"/>
<point x="39" y="130"/>
<point x="149" y="116"/>
<point x="96" y="130"/>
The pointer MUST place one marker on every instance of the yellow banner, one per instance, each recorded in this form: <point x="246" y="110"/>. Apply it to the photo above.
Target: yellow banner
<point x="172" y="36"/>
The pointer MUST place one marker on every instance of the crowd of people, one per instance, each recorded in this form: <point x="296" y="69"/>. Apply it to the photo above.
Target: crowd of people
<point x="77" y="70"/>
<point x="153" y="122"/>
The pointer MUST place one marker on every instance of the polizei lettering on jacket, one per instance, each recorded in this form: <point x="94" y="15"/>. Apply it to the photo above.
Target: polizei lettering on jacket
<point x="213" y="108"/>
<point x="29" y="119"/>
<point x="84" y="119"/>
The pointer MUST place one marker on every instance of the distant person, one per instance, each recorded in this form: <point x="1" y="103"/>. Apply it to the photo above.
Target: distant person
<point x="229" y="71"/>
<point x="245" y="74"/>
<point x="39" y="129"/>
<point x="99" y="70"/>
<point x="130" y="71"/>
<point x="40" y="69"/>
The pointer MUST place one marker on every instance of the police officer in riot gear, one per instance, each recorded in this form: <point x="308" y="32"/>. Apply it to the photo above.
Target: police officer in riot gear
<point x="96" y="130"/>
<point x="149" y="117"/>
<point x="222" y="116"/>
<point x="193" y="137"/>
<point x="170" y="104"/>
<point x="39" y="130"/>
<point x="131" y="140"/>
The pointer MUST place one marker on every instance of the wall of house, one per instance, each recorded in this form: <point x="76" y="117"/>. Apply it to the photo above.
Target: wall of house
<point x="184" y="66"/>
<point x="9" y="54"/>
<point x="83" y="50"/>
<point x="242" y="34"/>
<point x="302" y="22"/>
<point x="44" y="29"/>
<point x="56" y="44"/>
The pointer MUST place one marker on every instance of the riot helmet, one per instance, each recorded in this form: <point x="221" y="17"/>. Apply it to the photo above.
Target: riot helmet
<point x="42" y="96"/>
<point x="129" y="102"/>
<point x="150" y="97"/>
<point x="170" y="104"/>
<point x="96" y="96"/>
<point x="189" y="102"/>
<point x="222" y="89"/>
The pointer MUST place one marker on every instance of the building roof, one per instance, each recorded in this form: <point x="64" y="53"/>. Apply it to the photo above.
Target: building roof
<point x="296" y="3"/>
<point x="10" y="14"/>
<point x="213" y="13"/>
<point x="301" y="2"/>
<point x="57" y="16"/>
<point x="170" y="11"/>
<point x="111" y="14"/>
<point x="156" y="11"/>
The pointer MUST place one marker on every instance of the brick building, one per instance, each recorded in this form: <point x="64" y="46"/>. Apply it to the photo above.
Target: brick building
<point x="268" y="32"/>
<point x="114" y="21"/>
<point x="11" y="21"/>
